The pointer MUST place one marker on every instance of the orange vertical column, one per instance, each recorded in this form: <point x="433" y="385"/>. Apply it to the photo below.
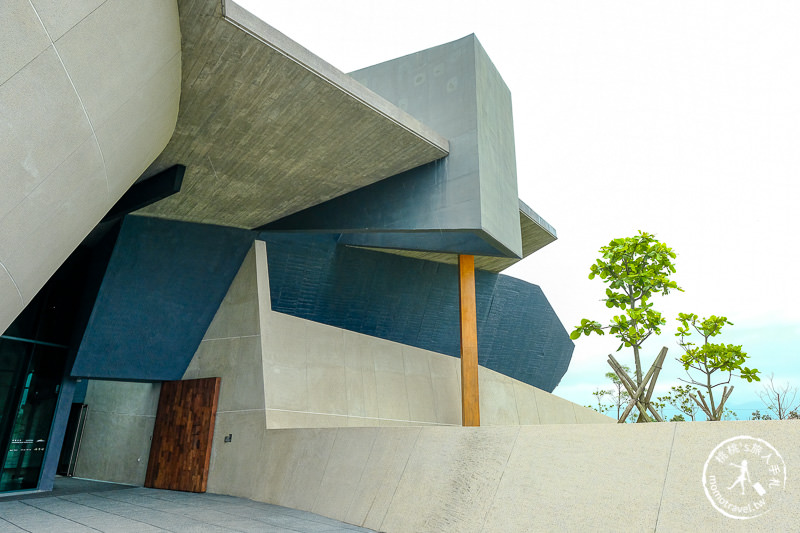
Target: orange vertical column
<point x="470" y="404"/>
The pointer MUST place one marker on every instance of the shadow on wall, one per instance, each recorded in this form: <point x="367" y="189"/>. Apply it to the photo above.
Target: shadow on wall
<point x="415" y="302"/>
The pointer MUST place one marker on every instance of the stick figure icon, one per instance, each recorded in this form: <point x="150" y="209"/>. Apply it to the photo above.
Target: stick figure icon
<point x="744" y="475"/>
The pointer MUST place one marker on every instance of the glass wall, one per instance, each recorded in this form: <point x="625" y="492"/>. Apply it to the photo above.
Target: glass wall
<point x="33" y="354"/>
<point x="30" y="378"/>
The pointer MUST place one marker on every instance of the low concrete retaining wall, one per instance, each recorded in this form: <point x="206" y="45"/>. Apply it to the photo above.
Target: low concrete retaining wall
<point x="531" y="478"/>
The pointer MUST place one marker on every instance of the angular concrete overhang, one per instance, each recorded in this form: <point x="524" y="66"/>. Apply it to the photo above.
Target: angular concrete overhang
<point x="466" y="203"/>
<point x="536" y="234"/>
<point x="266" y="128"/>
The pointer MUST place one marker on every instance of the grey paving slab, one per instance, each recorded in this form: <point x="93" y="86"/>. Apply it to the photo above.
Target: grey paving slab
<point x="84" y="506"/>
<point x="5" y="527"/>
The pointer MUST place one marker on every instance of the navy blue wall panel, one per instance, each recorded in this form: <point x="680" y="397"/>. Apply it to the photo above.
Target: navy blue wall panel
<point x="415" y="302"/>
<point x="164" y="282"/>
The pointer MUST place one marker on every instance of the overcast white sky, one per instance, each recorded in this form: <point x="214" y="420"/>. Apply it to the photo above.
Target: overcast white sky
<point x="678" y="118"/>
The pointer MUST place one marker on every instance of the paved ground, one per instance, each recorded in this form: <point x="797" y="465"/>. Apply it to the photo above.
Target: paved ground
<point x="83" y="506"/>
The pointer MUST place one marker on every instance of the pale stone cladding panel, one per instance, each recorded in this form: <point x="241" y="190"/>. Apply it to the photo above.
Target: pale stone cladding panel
<point x="86" y="104"/>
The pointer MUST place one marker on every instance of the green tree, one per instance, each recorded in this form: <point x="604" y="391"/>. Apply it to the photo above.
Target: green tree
<point x="680" y="398"/>
<point x="714" y="363"/>
<point x="599" y="394"/>
<point x="634" y="270"/>
<point x="618" y="397"/>
<point x="756" y="415"/>
<point x="729" y="414"/>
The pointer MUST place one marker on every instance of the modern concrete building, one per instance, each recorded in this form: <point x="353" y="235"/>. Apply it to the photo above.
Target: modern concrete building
<point x="154" y="149"/>
<point x="281" y="275"/>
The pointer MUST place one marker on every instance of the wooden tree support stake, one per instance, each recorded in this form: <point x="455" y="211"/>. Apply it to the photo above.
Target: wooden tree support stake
<point x="649" y="379"/>
<point x="726" y="392"/>
<point x="701" y="403"/>
<point x="716" y="414"/>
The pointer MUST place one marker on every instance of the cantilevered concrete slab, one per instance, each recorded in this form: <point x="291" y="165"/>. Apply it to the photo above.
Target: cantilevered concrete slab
<point x="464" y="204"/>
<point x="536" y="234"/>
<point x="266" y="128"/>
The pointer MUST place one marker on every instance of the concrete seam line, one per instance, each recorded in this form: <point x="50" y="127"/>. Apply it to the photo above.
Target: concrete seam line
<point x="32" y="503"/>
<point x="14" y="282"/>
<point x="106" y="496"/>
<point x="436" y="409"/>
<point x="361" y="476"/>
<point x="666" y="473"/>
<point x="400" y="479"/>
<point x="414" y="422"/>
<point x="538" y="413"/>
<point x="75" y="90"/>
<point x="325" y="470"/>
<point x="500" y="481"/>
<point x="405" y="382"/>
<point x="516" y="402"/>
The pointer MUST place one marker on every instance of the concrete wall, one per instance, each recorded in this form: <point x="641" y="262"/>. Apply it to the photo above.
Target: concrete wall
<point x="118" y="431"/>
<point x="472" y="194"/>
<point x="611" y="477"/>
<point x="299" y="373"/>
<point x="279" y="371"/>
<point x="86" y="103"/>
<point x="415" y="303"/>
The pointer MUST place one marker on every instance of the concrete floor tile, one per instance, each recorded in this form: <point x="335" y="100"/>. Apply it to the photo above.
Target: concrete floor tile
<point x="114" y="509"/>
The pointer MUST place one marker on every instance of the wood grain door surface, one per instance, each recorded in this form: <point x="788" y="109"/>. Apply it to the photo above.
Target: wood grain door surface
<point x="181" y="449"/>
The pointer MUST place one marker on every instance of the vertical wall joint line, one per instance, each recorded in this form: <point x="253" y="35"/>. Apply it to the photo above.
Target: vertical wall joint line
<point x="470" y="404"/>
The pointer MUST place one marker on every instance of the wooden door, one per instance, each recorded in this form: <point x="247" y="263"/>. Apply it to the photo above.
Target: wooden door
<point x="184" y="428"/>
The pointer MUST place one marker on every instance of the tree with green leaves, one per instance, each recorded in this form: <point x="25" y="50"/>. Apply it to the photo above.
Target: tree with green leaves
<point x="680" y="397"/>
<point x="599" y="394"/>
<point x="634" y="270"/>
<point x="619" y="396"/>
<point x="713" y="364"/>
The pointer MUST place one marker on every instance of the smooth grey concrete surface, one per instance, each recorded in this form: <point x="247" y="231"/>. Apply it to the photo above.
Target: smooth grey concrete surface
<point x="536" y="234"/>
<point x="78" y="505"/>
<point x="592" y="477"/>
<point x="464" y="204"/>
<point x="117" y="432"/>
<point x="299" y="373"/>
<point x="86" y="104"/>
<point x="280" y="371"/>
<point x="454" y="88"/>
<point x="266" y="128"/>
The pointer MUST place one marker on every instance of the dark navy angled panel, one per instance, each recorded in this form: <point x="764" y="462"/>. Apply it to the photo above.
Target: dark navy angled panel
<point x="164" y="282"/>
<point x="421" y="209"/>
<point x="415" y="302"/>
<point x="437" y="242"/>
